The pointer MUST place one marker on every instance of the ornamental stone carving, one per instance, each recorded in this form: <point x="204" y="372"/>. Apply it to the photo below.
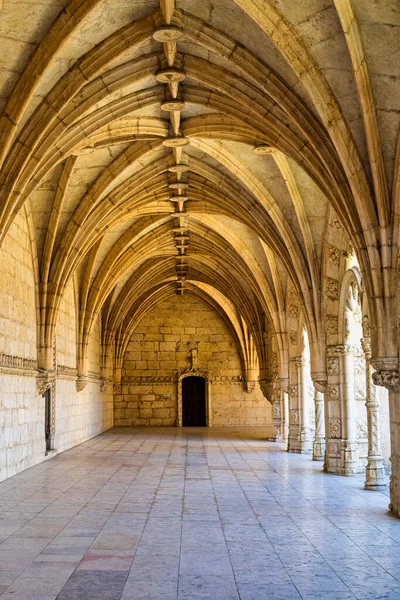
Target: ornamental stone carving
<point x="334" y="392"/>
<point x="293" y="337"/>
<point x="104" y="382"/>
<point x="387" y="373"/>
<point x="319" y="381"/>
<point x="365" y="326"/>
<point x="334" y="255"/>
<point x="293" y="311"/>
<point x="332" y="288"/>
<point x="43" y="381"/>
<point x="332" y="365"/>
<point x="362" y="432"/>
<point x="360" y="391"/>
<point x="387" y="379"/>
<point x="81" y="382"/>
<point x="294" y="416"/>
<point x="336" y="224"/>
<point x="276" y="410"/>
<point x="293" y="390"/>
<point x="335" y="428"/>
<point x="331" y="325"/>
<point x="117" y="389"/>
<point x="249" y="387"/>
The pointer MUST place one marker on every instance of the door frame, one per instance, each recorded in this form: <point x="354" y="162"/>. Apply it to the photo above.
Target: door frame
<point x="204" y="376"/>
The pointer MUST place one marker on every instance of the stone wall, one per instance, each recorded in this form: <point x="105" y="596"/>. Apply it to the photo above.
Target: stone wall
<point x="159" y="351"/>
<point x="21" y="411"/>
<point x="78" y="416"/>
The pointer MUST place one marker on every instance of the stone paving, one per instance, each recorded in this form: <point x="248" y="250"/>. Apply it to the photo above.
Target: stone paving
<point x="193" y="514"/>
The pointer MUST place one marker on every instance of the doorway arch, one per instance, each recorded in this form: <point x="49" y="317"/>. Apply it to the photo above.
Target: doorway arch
<point x="187" y="391"/>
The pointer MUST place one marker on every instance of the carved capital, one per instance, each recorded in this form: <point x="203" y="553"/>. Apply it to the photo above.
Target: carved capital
<point x="43" y="381"/>
<point x="283" y="384"/>
<point x="320" y="381"/>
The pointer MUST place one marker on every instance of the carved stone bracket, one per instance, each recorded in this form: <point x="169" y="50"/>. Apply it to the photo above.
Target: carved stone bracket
<point x="104" y="382"/>
<point x="387" y="373"/>
<point x="249" y="386"/>
<point x="319" y="381"/>
<point x="387" y="379"/>
<point x="81" y="382"/>
<point x="43" y="381"/>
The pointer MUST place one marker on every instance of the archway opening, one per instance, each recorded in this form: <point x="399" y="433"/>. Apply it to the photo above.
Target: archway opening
<point x="193" y="402"/>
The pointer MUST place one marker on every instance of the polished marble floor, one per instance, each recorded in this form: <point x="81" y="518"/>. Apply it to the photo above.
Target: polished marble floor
<point x="193" y="514"/>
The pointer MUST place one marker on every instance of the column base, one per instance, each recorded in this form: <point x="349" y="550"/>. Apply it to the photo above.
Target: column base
<point x="319" y="451"/>
<point x="376" y="477"/>
<point x="350" y="463"/>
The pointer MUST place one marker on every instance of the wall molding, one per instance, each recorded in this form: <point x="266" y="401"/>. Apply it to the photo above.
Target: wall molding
<point x="17" y="365"/>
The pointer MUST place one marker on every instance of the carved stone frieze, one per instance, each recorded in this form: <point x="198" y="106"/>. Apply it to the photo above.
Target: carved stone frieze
<point x="332" y="288"/>
<point x="64" y="372"/>
<point x="335" y="428"/>
<point x="16" y="365"/>
<point x="293" y="390"/>
<point x="146" y="380"/>
<point x="117" y="388"/>
<point x="294" y="416"/>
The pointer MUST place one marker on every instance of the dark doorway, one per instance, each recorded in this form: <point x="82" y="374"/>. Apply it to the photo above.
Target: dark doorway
<point x="47" y="418"/>
<point x="193" y="402"/>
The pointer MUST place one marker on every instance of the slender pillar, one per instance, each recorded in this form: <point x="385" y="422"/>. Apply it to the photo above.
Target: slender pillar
<point x="349" y="450"/>
<point x="284" y="415"/>
<point x="319" y="440"/>
<point x="276" y="418"/>
<point x="299" y="425"/>
<point x="375" y="471"/>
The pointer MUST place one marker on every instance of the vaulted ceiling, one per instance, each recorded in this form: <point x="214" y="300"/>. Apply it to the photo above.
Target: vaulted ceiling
<point x="201" y="147"/>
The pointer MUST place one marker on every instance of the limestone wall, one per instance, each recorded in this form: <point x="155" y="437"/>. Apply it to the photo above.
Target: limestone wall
<point x="159" y="351"/>
<point x="21" y="411"/>
<point x="78" y="415"/>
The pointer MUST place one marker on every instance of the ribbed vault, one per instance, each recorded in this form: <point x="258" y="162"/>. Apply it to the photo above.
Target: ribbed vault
<point x="175" y="152"/>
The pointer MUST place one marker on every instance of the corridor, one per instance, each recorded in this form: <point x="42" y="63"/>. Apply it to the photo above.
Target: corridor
<point x="193" y="514"/>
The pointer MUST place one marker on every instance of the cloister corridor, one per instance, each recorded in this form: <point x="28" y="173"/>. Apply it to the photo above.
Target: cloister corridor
<point x="193" y="513"/>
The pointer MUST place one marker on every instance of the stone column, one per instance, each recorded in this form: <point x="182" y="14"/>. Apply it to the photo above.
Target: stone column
<point x="284" y="415"/>
<point x="387" y="375"/>
<point x="276" y="418"/>
<point x="375" y="471"/>
<point x="319" y="440"/>
<point x="299" y="426"/>
<point x="349" y="448"/>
